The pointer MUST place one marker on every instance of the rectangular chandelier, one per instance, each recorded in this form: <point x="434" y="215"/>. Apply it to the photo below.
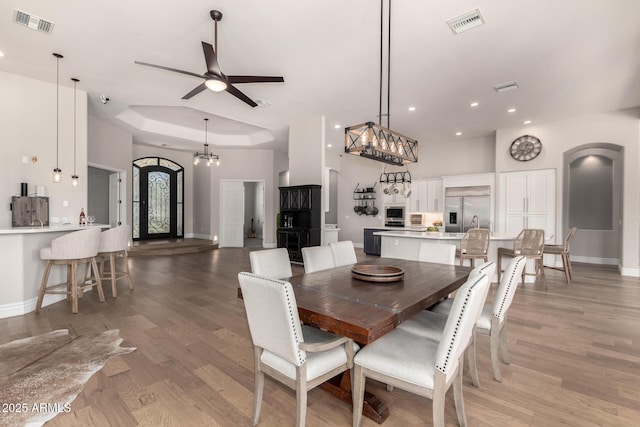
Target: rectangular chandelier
<point x="379" y="143"/>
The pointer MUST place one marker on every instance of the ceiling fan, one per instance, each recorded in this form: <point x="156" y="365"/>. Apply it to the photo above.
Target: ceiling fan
<point x="215" y="79"/>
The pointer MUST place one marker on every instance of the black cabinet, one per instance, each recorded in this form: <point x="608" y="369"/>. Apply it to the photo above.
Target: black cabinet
<point x="372" y="244"/>
<point x="300" y="218"/>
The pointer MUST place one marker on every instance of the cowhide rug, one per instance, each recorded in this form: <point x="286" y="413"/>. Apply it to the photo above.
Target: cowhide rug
<point x="40" y="376"/>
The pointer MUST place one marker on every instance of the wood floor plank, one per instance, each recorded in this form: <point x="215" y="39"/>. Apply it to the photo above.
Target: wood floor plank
<point x="575" y="354"/>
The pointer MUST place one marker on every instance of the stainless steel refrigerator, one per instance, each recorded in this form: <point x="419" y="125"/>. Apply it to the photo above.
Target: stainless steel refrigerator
<point x="466" y="207"/>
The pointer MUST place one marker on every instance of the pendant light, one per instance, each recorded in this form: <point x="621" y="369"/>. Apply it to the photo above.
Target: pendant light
<point x="57" y="172"/>
<point x="74" y="177"/>
<point x="206" y="155"/>
<point x="374" y="141"/>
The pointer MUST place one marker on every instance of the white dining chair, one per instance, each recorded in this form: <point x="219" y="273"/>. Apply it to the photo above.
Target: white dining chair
<point x="492" y="321"/>
<point x="317" y="258"/>
<point x="299" y="356"/>
<point x="439" y="253"/>
<point x="273" y="263"/>
<point x="72" y="250"/>
<point x="344" y="253"/>
<point x="422" y="366"/>
<point x="113" y="246"/>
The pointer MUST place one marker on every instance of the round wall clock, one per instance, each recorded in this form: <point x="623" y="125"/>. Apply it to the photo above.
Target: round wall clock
<point x="525" y="148"/>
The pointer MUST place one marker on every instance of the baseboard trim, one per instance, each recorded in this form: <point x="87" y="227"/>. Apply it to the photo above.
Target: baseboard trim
<point x="269" y="245"/>
<point x="595" y="260"/>
<point x="632" y="272"/>
<point x="358" y="245"/>
<point x="24" y="307"/>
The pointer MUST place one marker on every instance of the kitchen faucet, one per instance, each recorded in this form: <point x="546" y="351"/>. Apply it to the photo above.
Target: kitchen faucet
<point x="34" y="222"/>
<point x="475" y="221"/>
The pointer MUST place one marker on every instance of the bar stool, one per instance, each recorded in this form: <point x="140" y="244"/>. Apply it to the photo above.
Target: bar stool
<point x="530" y="244"/>
<point x="563" y="251"/>
<point x="73" y="249"/>
<point x="113" y="246"/>
<point x="474" y="245"/>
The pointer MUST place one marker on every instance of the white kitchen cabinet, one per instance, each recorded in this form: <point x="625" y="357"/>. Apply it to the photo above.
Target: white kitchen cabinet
<point x="527" y="200"/>
<point x="426" y="196"/>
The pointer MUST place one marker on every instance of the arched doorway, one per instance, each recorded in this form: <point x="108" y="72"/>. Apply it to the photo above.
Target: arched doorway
<point x="592" y="202"/>
<point x="158" y="199"/>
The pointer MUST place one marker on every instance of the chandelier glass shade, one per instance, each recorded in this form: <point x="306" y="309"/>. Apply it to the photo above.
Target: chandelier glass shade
<point x="373" y="141"/>
<point x="206" y="155"/>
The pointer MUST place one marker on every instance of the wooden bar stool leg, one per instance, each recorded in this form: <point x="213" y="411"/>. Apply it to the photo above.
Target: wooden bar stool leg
<point x="74" y="287"/>
<point x="43" y="286"/>
<point x="565" y="265"/>
<point x="112" y="269"/>
<point x="125" y="259"/>
<point x="98" y="281"/>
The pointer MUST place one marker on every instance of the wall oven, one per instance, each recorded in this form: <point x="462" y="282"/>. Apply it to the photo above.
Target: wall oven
<point x="394" y="216"/>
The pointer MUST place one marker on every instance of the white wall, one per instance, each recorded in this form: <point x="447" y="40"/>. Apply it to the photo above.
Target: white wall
<point x="110" y="148"/>
<point x="307" y="151"/>
<point x="621" y="128"/>
<point x="246" y="165"/>
<point x="28" y="129"/>
<point x="184" y="159"/>
<point x="202" y="200"/>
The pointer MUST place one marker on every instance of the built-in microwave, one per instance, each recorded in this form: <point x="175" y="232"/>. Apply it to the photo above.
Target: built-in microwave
<point x="394" y="216"/>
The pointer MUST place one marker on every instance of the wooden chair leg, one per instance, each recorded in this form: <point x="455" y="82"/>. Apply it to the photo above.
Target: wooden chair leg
<point x="258" y="387"/>
<point x="499" y="266"/>
<point x="503" y="343"/>
<point x="358" y="394"/>
<point x="495" y="360"/>
<point x="565" y="266"/>
<point x="439" y="393"/>
<point x="43" y="286"/>
<point x="471" y="359"/>
<point x="457" y="396"/>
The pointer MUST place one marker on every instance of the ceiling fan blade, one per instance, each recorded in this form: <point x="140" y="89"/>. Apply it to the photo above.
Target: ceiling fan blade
<point x="195" y="91"/>
<point x="211" y="59"/>
<point x="175" y="70"/>
<point x="254" y="79"/>
<point x="235" y="92"/>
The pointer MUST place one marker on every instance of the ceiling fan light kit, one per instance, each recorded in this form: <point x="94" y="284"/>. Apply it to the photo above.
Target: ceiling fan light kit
<point x="214" y="79"/>
<point x="375" y="141"/>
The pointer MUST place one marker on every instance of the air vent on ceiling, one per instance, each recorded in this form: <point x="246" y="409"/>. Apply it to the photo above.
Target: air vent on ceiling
<point x="32" y="21"/>
<point x="466" y="21"/>
<point x="262" y="103"/>
<point x="506" y="86"/>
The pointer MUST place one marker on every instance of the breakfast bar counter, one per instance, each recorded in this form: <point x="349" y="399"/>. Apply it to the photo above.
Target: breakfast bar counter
<point x="22" y="267"/>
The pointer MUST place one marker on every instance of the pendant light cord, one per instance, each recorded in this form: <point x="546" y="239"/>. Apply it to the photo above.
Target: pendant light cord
<point x="57" y="110"/>
<point x="388" y="64"/>
<point x="75" y="81"/>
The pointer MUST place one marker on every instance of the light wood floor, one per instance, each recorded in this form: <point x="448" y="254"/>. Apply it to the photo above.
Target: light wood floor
<point x="575" y="354"/>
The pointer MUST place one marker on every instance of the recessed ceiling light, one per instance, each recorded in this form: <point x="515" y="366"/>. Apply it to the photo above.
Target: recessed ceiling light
<point x="474" y="104"/>
<point x="511" y="110"/>
<point x="526" y="122"/>
<point x="337" y="126"/>
<point x="329" y="145"/>
<point x="1" y="54"/>
<point x="458" y="133"/>
<point x="412" y="108"/>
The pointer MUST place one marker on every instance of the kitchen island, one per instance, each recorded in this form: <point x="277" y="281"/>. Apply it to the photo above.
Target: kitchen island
<point x="405" y="244"/>
<point x="22" y="267"/>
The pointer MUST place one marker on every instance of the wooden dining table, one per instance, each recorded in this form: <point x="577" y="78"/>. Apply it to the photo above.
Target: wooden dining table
<point x="335" y="301"/>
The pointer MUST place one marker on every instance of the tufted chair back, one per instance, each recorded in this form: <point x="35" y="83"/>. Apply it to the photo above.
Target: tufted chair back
<point x="465" y="311"/>
<point x="508" y="286"/>
<point x="440" y="253"/>
<point x="115" y="239"/>
<point x="273" y="318"/>
<point x="317" y="258"/>
<point x="76" y="245"/>
<point x="343" y="253"/>
<point x="273" y="263"/>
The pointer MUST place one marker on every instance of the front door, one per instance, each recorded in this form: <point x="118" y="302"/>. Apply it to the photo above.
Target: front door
<point x="158" y="199"/>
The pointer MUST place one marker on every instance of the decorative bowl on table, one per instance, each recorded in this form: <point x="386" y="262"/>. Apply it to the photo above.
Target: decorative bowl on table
<point x="377" y="273"/>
